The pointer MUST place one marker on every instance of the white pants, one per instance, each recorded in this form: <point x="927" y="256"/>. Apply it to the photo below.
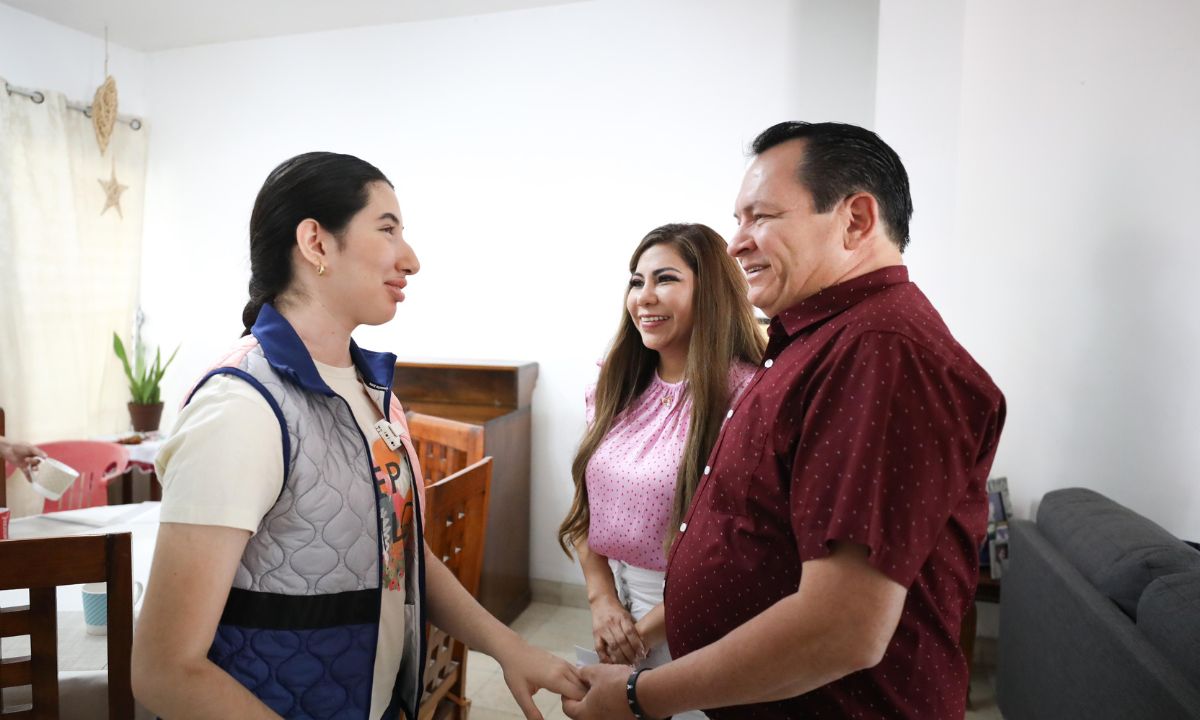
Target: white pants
<point x="640" y="591"/>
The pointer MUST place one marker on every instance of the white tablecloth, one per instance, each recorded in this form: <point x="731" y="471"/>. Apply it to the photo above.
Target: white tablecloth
<point x="140" y="519"/>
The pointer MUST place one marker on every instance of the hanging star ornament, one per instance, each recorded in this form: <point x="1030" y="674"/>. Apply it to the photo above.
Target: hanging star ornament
<point x="112" y="192"/>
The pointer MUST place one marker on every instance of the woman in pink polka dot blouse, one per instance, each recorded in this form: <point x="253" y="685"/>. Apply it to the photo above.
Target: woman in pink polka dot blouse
<point x="687" y="345"/>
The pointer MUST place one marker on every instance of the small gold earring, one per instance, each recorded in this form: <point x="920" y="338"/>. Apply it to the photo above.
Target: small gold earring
<point x="320" y="270"/>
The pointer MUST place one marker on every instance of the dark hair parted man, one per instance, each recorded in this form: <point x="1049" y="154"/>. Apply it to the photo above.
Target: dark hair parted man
<point x="831" y="549"/>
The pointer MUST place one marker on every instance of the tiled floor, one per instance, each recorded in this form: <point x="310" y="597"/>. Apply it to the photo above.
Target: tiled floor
<point x="558" y="629"/>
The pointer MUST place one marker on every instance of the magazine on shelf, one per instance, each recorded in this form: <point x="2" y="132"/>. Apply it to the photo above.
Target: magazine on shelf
<point x="998" y="549"/>
<point x="1000" y="486"/>
<point x="994" y="553"/>
<point x="996" y="508"/>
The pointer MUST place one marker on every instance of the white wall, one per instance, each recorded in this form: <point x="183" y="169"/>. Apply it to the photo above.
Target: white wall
<point x="41" y="55"/>
<point x="1078" y="162"/>
<point x="917" y="109"/>
<point x="1059" y="140"/>
<point x="531" y="151"/>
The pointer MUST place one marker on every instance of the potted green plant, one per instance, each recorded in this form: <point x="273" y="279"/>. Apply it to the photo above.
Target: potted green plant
<point x="145" y="410"/>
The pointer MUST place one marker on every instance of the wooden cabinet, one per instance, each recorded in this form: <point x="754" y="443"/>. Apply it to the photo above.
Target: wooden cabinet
<point x="498" y="397"/>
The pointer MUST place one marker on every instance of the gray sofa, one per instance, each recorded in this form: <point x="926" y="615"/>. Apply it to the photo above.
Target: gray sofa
<point x="1099" y="616"/>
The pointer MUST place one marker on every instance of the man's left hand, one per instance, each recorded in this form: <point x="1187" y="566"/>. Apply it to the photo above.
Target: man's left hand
<point x="605" y="699"/>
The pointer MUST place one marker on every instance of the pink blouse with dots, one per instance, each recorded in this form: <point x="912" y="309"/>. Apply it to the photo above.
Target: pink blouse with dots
<point x="631" y="476"/>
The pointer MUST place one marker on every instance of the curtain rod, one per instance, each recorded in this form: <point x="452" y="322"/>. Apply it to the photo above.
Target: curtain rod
<point x="38" y="97"/>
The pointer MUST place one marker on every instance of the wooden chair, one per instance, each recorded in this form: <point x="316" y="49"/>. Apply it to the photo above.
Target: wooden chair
<point x="455" y="526"/>
<point x="135" y="485"/>
<point x="444" y="446"/>
<point x="41" y="565"/>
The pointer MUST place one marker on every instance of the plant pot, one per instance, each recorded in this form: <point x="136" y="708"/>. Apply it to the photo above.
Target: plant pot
<point x="145" y="418"/>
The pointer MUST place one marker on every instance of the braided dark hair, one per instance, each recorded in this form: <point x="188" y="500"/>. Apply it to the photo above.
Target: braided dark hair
<point x="327" y="187"/>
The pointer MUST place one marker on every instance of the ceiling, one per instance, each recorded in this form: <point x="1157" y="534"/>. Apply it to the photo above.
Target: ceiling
<point x="150" y="25"/>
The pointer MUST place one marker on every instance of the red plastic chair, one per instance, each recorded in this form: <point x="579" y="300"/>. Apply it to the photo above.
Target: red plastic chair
<point x="97" y="462"/>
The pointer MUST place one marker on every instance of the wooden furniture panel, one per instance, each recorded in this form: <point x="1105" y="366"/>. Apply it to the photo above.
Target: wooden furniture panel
<point x="455" y="526"/>
<point x="497" y="397"/>
<point x="41" y="565"/>
<point x="503" y="385"/>
<point x="134" y="486"/>
<point x="504" y="588"/>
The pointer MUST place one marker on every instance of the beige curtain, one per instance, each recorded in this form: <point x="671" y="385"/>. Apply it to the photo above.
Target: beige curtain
<point x="69" y="272"/>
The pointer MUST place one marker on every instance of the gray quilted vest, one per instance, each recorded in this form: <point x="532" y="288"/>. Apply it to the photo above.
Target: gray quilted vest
<point x="301" y="624"/>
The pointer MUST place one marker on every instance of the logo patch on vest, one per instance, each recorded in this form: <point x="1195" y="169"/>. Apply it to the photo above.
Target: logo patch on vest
<point x="388" y="434"/>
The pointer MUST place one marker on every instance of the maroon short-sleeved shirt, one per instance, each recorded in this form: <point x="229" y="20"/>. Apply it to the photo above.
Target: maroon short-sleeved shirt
<point x="867" y="423"/>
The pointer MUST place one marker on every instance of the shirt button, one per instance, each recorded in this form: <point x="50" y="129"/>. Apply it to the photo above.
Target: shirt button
<point x="682" y="527"/>
<point x="768" y="363"/>
<point x="728" y="414"/>
<point x="707" y="469"/>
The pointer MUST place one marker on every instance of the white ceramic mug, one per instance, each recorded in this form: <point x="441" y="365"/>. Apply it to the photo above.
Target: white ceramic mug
<point x="51" y="478"/>
<point x="95" y="606"/>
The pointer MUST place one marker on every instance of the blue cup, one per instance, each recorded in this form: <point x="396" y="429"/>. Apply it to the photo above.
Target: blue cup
<point x="95" y="606"/>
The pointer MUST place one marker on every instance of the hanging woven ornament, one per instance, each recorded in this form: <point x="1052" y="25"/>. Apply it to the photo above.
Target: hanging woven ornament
<point x="104" y="112"/>
<point x="104" y="104"/>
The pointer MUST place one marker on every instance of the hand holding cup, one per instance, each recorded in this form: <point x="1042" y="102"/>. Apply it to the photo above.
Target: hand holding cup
<point x="51" y="478"/>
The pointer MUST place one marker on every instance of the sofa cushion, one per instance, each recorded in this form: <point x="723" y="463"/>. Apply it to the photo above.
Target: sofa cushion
<point x="1117" y="550"/>
<point x="1168" y="614"/>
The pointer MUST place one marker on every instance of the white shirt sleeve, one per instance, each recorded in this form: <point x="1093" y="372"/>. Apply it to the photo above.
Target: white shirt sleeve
<point x="223" y="463"/>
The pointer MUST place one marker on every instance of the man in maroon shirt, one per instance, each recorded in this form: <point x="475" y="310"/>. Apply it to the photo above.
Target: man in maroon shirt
<point x="830" y="553"/>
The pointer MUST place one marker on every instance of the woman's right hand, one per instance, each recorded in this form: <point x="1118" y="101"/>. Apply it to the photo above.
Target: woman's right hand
<point x="615" y="634"/>
<point x="20" y="454"/>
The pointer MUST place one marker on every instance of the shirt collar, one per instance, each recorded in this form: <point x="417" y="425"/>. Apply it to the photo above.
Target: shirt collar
<point x="285" y="351"/>
<point x="832" y="300"/>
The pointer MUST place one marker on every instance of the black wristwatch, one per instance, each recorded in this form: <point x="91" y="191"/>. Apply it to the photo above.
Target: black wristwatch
<point x="631" y="695"/>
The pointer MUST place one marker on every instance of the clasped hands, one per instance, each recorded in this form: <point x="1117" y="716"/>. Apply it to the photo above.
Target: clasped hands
<point x="620" y="643"/>
<point x="596" y="691"/>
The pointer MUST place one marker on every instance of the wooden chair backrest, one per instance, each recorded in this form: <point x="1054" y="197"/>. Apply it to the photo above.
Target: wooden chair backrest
<point x="444" y="446"/>
<point x="456" y="520"/>
<point x="41" y="565"/>
<point x="456" y="509"/>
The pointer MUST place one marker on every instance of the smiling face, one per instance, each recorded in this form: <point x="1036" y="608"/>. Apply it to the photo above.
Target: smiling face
<point x="659" y="300"/>
<point x="370" y="263"/>
<point x="787" y="250"/>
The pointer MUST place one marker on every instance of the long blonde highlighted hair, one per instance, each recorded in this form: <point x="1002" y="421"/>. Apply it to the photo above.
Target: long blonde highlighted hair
<point x="724" y="331"/>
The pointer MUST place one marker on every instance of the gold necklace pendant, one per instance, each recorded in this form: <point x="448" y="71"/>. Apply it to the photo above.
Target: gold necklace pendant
<point x="666" y="400"/>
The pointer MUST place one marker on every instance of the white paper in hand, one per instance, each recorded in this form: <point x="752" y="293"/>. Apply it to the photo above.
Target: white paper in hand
<point x="585" y="657"/>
